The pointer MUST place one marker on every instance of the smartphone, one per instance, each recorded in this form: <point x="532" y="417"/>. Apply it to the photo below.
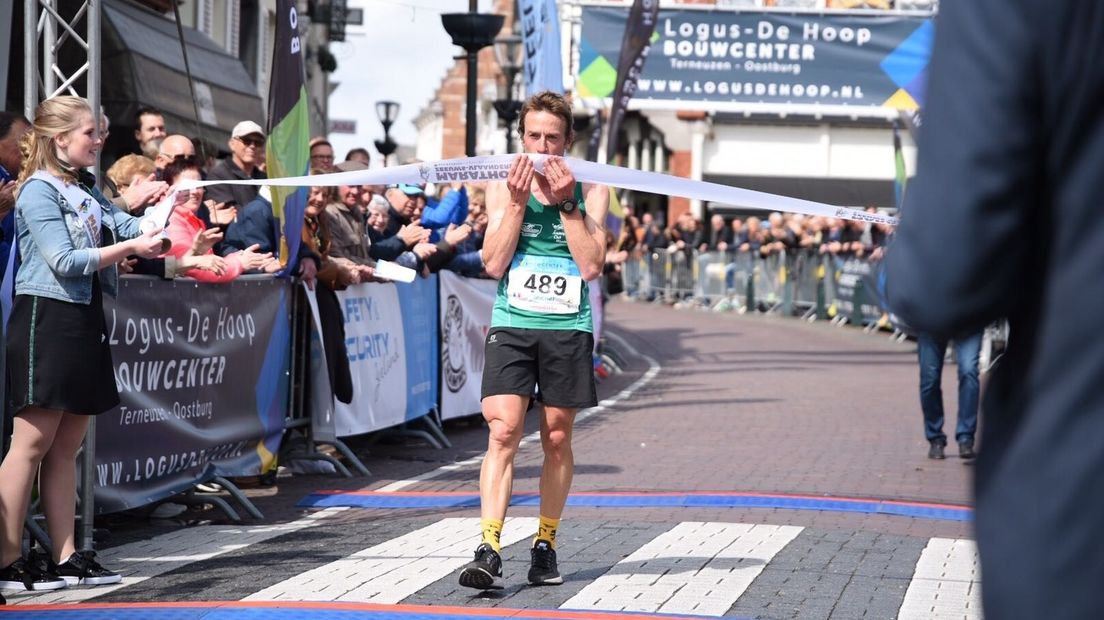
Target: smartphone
<point x="5" y="176"/>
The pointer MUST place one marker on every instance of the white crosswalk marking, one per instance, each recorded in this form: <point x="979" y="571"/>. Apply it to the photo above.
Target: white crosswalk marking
<point x="142" y="560"/>
<point x="694" y="568"/>
<point x="946" y="584"/>
<point x="391" y="571"/>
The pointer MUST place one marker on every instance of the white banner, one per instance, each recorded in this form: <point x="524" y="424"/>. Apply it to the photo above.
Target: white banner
<point x="377" y="359"/>
<point x="465" y="319"/>
<point x="496" y="167"/>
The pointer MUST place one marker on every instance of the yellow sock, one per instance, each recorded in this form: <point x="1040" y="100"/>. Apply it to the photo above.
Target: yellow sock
<point x="492" y="533"/>
<point x="547" y="530"/>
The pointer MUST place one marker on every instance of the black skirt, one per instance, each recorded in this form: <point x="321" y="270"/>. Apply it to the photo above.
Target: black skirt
<point x="59" y="357"/>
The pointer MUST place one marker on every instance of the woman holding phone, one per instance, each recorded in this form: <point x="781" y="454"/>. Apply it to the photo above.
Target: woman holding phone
<point x="59" y="363"/>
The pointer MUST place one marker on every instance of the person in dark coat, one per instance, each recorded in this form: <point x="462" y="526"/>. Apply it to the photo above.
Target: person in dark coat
<point x="1004" y="220"/>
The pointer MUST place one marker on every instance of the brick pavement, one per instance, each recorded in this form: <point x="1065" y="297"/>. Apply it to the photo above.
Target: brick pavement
<point x="743" y="403"/>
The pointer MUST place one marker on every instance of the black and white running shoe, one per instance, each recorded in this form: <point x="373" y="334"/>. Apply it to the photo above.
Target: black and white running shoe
<point x="543" y="570"/>
<point x="485" y="571"/>
<point x="24" y="575"/>
<point x="82" y="569"/>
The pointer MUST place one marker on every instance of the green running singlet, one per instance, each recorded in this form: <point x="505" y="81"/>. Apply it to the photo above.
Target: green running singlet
<point x="543" y="288"/>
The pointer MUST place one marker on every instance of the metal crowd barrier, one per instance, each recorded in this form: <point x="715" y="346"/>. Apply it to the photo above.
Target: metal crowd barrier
<point x="804" y="283"/>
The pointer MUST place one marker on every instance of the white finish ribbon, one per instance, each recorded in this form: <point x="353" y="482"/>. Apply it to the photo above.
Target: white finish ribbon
<point x="496" y="168"/>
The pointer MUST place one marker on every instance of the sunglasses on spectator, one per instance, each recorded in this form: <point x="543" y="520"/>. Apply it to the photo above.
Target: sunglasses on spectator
<point x="254" y="142"/>
<point x="322" y="157"/>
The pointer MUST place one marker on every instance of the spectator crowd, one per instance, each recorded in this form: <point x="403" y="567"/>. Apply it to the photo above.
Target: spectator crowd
<point x="224" y="231"/>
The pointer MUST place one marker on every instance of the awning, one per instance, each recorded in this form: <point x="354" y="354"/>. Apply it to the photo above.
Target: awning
<point x="143" y="66"/>
<point x="834" y="191"/>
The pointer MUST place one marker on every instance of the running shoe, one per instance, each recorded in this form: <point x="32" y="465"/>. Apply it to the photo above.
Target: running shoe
<point x="543" y="570"/>
<point x="485" y="571"/>
<point x="82" y="569"/>
<point x="24" y="575"/>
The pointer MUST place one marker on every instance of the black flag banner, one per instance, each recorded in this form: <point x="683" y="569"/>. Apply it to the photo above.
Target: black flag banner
<point x="634" y="52"/>
<point x="595" y="141"/>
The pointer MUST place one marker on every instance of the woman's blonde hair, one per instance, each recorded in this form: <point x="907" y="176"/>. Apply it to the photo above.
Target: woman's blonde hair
<point x="53" y="117"/>
<point x="123" y="171"/>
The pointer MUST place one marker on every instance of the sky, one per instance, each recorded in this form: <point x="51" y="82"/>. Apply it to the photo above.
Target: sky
<point x="401" y="53"/>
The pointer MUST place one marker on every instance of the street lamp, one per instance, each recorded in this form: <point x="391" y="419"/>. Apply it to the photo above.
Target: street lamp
<point x="472" y="31"/>
<point x="509" y="52"/>
<point x="388" y="112"/>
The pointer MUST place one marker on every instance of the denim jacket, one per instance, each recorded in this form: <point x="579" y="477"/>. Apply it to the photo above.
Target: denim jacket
<point x="58" y="257"/>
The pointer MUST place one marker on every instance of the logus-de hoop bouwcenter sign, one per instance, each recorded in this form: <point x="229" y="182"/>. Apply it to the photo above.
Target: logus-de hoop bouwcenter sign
<point x="719" y="57"/>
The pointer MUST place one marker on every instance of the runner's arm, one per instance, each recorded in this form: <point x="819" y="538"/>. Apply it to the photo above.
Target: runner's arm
<point x="506" y="211"/>
<point x="586" y="235"/>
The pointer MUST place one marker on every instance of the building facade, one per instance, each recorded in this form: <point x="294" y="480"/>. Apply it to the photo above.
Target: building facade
<point x="229" y="48"/>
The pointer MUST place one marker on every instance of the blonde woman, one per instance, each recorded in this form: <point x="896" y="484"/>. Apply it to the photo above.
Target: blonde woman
<point x="60" y="369"/>
<point x="131" y="170"/>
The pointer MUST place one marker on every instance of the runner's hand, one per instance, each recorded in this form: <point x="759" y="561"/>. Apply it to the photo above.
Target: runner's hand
<point x="520" y="180"/>
<point x="560" y="178"/>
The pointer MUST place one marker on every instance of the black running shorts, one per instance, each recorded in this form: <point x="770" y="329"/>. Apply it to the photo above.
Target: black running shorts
<point x="559" y="361"/>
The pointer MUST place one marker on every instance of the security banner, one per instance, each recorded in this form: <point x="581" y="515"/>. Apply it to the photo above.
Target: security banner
<point x="202" y="375"/>
<point x="465" y="319"/>
<point x="418" y="305"/>
<point x="391" y="343"/>
<point x="724" y="56"/>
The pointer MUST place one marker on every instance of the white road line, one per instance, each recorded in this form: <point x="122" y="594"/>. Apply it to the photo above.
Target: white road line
<point x="946" y="584"/>
<point x="139" y="561"/>
<point x="694" y="568"/>
<point x="391" y="571"/>
<point x="653" y="370"/>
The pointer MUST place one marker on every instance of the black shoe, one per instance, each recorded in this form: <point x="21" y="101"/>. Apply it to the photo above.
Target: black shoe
<point x="82" y="569"/>
<point x="966" y="449"/>
<point x="936" y="449"/>
<point x="23" y="575"/>
<point x="542" y="567"/>
<point x="485" y="571"/>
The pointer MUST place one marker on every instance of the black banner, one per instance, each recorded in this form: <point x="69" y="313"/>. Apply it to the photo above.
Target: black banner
<point x="202" y="374"/>
<point x="856" y="286"/>
<point x="630" y="64"/>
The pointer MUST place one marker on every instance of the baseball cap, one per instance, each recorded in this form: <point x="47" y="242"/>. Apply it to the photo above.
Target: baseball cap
<point x="349" y="166"/>
<point x="246" y="128"/>
<point x="408" y="189"/>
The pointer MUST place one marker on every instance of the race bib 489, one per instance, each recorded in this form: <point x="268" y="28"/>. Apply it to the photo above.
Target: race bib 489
<point x="548" y="284"/>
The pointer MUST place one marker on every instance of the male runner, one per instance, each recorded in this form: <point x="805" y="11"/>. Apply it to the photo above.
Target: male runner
<point x="545" y="241"/>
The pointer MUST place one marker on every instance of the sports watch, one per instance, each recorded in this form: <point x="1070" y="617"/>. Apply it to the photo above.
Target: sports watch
<point x="568" y="206"/>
